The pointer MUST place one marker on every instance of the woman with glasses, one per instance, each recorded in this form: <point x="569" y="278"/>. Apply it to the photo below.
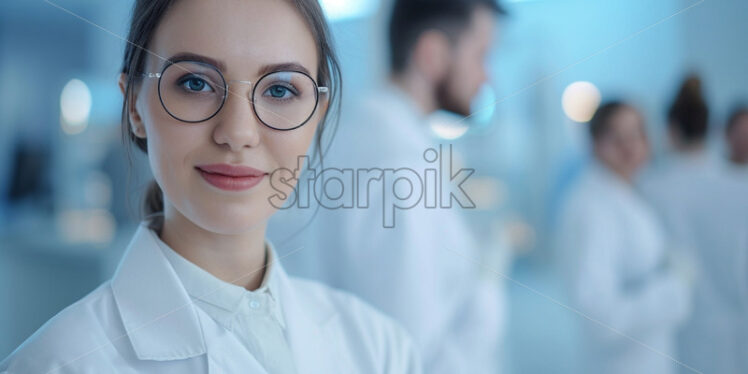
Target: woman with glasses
<point x="219" y="94"/>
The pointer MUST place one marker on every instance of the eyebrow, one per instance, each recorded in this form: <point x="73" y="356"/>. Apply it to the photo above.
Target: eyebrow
<point x="188" y="56"/>
<point x="265" y="69"/>
<point x="286" y="66"/>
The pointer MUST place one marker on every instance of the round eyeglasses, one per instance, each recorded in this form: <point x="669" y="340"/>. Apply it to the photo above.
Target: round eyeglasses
<point x="193" y="91"/>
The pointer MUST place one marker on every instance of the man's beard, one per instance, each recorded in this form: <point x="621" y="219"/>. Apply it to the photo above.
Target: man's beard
<point x="446" y="100"/>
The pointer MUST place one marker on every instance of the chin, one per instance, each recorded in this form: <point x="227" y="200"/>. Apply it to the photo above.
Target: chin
<point x="230" y="227"/>
<point x="465" y="111"/>
<point x="465" y="106"/>
<point x="454" y="101"/>
<point x="461" y="110"/>
<point x="232" y="220"/>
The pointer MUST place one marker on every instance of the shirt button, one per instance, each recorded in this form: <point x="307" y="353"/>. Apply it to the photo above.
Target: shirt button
<point x="254" y="304"/>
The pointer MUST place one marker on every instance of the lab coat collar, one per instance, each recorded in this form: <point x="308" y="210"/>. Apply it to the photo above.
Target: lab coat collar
<point x="162" y="323"/>
<point x="158" y="315"/>
<point x="406" y="118"/>
<point x="694" y="162"/>
<point x="402" y="99"/>
<point x="201" y="284"/>
<point x="225" y="296"/>
<point x="610" y="177"/>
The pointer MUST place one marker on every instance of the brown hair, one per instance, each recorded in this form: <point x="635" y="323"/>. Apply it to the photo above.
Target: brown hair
<point x="411" y="18"/>
<point x="689" y="114"/>
<point x="599" y="125"/>
<point x="146" y="16"/>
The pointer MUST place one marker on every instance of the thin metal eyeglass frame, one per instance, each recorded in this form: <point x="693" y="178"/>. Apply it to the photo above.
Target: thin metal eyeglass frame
<point x="317" y="91"/>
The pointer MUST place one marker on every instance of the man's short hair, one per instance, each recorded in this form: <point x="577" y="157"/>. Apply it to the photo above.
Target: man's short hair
<point x="410" y="18"/>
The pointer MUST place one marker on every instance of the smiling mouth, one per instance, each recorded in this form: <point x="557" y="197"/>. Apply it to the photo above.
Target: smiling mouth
<point x="231" y="178"/>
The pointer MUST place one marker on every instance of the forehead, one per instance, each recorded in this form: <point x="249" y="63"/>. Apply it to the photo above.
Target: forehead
<point x="244" y="34"/>
<point x="626" y="120"/>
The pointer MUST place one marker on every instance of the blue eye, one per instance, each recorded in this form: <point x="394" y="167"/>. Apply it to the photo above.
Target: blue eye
<point x="279" y="92"/>
<point x="195" y="84"/>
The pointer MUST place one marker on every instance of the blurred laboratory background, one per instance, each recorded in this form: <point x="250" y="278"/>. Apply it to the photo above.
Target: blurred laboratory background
<point x="70" y="194"/>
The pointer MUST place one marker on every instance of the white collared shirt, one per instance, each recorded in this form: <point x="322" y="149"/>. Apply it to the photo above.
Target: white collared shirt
<point x="254" y="317"/>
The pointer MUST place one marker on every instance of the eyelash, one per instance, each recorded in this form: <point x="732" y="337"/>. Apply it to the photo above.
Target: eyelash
<point x="288" y="86"/>
<point x="181" y="82"/>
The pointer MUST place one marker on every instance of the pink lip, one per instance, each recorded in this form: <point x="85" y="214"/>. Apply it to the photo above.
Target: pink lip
<point x="231" y="177"/>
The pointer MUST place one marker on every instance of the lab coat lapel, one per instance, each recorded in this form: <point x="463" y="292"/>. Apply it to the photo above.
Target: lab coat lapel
<point x="163" y="324"/>
<point x="308" y="327"/>
<point x="158" y="315"/>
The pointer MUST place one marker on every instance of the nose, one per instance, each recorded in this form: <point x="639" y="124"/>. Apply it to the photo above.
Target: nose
<point x="237" y="125"/>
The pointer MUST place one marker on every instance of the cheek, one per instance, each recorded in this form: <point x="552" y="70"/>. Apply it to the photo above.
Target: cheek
<point x="285" y="147"/>
<point x="638" y="155"/>
<point x="742" y="137"/>
<point x="611" y="154"/>
<point x="461" y="83"/>
<point x="170" y="147"/>
<point x="472" y="75"/>
<point x="642" y="147"/>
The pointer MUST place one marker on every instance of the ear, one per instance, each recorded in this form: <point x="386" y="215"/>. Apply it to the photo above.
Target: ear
<point x="432" y="54"/>
<point x="136" y="122"/>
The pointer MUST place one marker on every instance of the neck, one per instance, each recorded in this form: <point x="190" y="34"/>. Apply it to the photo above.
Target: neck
<point x="689" y="147"/>
<point x="418" y="89"/>
<point x="234" y="258"/>
<point x="628" y="178"/>
<point x="624" y="176"/>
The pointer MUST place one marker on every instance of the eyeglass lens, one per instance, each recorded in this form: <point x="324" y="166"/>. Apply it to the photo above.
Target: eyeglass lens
<point x="195" y="92"/>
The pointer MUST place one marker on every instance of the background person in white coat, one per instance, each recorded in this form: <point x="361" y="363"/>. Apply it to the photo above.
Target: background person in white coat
<point x="200" y="290"/>
<point x="422" y="271"/>
<point x="688" y="170"/>
<point x="704" y="206"/>
<point x="615" y="258"/>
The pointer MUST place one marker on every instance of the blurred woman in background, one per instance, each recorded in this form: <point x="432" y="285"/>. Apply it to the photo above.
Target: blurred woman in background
<point x="614" y="256"/>
<point x="705" y="212"/>
<point x="688" y="171"/>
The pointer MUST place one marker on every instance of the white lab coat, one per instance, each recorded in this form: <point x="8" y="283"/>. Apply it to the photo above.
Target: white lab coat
<point x="422" y="272"/>
<point x="612" y="250"/>
<point x="705" y="207"/>
<point x="143" y="321"/>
